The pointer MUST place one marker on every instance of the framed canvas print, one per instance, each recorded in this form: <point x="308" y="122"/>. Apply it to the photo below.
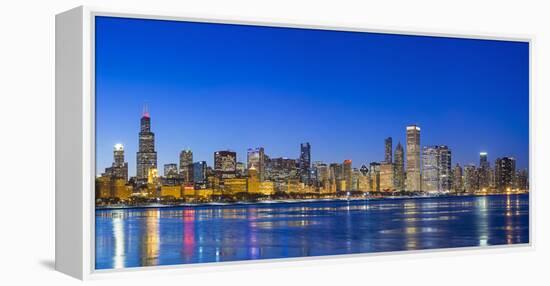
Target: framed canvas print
<point x="185" y="141"/>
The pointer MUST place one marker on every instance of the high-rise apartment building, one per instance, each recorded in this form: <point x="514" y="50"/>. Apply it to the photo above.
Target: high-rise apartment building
<point x="436" y="169"/>
<point x="505" y="171"/>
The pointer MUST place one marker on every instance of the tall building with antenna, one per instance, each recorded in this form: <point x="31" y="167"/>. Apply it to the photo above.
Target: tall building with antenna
<point x="146" y="155"/>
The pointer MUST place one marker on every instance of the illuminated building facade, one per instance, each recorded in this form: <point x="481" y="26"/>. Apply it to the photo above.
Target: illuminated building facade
<point x="146" y="155"/>
<point x="186" y="165"/>
<point x="256" y="159"/>
<point x="170" y="170"/>
<point x="505" y="170"/>
<point x="119" y="168"/>
<point x="388" y="150"/>
<point x="387" y="177"/>
<point x="458" y="185"/>
<point x="305" y="162"/>
<point x="347" y="175"/>
<point x="225" y="164"/>
<point x="413" y="182"/>
<point x="199" y="172"/>
<point x="470" y="179"/>
<point x="399" y="166"/>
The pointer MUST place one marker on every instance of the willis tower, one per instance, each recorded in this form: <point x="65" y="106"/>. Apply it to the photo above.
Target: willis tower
<point x="146" y="155"/>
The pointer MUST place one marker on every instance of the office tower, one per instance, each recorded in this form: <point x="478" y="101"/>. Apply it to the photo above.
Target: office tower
<point x="413" y="182"/>
<point x="388" y="151"/>
<point x="399" y="166"/>
<point x="347" y="174"/>
<point x="505" y="170"/>
<point x="374" y="174"/>
<point x="387" y="176"/>
<point x="304" y="163"/>
<point x="458" y="185"/>
<point x="146" y="155"/>
<point x="199" y="172"/>
<point x="186" y="165"/>
<point x="170" y="170"/>
<point x="119" y="168"/>
<point x="445" y="168"/>
<point x="225" y="164"/>
<point x="256" y="159"/>
<point x="430" y="169"/>
<point x="470" y="179"/>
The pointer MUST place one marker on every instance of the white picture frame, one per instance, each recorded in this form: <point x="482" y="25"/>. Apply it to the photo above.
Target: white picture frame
<point x="75" y="136"/>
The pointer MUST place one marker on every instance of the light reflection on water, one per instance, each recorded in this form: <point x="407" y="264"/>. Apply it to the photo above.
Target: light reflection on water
<point x="143" y="237"/>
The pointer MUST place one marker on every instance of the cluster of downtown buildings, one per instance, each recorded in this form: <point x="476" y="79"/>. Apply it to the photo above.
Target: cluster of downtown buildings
<point x="419" y="170"/>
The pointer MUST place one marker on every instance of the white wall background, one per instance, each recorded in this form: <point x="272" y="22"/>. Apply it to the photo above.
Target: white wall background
<point x="27" y="142"/>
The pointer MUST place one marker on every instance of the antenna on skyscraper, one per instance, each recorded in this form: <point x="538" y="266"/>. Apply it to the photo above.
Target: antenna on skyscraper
<point x="145" y="111"/>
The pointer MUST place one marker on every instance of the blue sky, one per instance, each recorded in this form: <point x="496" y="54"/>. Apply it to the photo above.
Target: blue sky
<point x="214" y="87"/>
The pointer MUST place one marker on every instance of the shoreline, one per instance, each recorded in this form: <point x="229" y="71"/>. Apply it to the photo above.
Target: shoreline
<point x="281" y="202"/>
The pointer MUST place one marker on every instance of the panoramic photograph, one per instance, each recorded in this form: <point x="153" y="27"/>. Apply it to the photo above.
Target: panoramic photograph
<point x="226" y="142"/>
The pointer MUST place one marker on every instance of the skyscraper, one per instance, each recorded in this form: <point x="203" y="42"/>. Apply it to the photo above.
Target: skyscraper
<point x="470" y="179"/>
<point x="436" y="168"/>
<point x="399" y="168"/>
<point x="225" y="164"/>
<point x="186" y="165"/>
<point x="387" y="176"/>
<point x="445" y="168"/>
<point x="304" y="162"/>
<point x="484" y="171"/>
<point x="413" y="158"/>
<point x="505" y="171"/>
<point x="256" y="159"/>
<point x="388" y="150"/>
<point x="374" y="177"/>
<point x="146" y="155"/>
<point x="430" y="169"/>
<point x="483" y="162"/>
<point x="119" y="168"/>
<point x="199" y="172"/>
<point x="458" y="185"/>
<point x="347" y="174"/>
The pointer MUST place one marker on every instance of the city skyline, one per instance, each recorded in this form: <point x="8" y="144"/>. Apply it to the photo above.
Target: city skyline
<point x="222" y="112"/>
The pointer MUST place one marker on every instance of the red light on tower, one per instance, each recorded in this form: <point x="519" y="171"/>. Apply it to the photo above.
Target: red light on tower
<point x="145" y="112"/>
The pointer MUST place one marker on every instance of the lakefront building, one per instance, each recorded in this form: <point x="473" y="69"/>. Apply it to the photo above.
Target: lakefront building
<point x="505" y="171"/>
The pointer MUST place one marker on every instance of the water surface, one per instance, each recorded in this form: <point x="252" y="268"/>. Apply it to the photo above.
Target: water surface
<point x="165" y="236"/>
